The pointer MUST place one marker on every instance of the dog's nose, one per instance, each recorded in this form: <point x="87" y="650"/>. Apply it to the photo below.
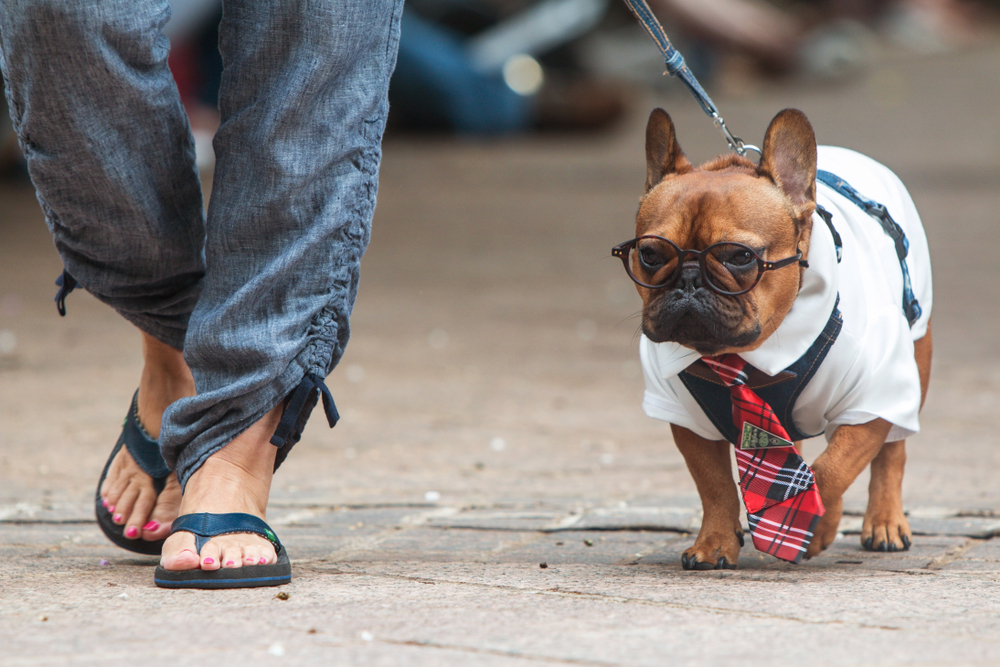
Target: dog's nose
<point x="690" y="278"/>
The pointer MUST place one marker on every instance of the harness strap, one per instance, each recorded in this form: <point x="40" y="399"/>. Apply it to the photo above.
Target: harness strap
<point x="911" y="307"/>
<point x="828" y="219"/>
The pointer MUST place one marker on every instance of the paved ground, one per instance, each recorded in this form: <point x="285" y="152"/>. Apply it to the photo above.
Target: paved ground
<point x="494" y="494"/>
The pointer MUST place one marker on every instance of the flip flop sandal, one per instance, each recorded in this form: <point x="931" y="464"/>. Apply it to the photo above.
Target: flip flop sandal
<point x="205" y="526"/>
<point x="146" y="453"/>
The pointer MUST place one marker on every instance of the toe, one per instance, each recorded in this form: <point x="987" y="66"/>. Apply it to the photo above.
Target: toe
<point x="210" y="556"/>
<point x="251" y="554"/>
<point x="724" y="564"/>
<point x="179" y="552"/>
<point x="110" y="484"/>
<point x="139" y="516"/>
<point x="164" y="512"/>
<point x="111" y="497"/>
<point x="119" y="474"/>
<point x="232" y="556"/>
<point x="127" y="501"/>
<point x="265" y="550"/>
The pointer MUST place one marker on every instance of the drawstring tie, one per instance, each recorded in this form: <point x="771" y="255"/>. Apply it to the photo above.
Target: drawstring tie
<point x="299" y="406"/>
<point x="67" y="284"/>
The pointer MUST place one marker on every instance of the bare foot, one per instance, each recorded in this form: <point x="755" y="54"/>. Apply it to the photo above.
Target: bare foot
<point x="237" y="478"/>
<point x="128" y="491"/>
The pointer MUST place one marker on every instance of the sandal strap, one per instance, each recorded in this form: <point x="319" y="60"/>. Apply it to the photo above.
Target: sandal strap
<point x="205" y="525"/>
<point x="144" y="450"/>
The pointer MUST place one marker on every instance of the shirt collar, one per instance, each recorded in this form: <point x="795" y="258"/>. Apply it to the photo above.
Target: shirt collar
<point x="800" y="328"/>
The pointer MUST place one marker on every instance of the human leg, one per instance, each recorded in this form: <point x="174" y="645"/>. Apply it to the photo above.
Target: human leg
<point x="108" y="149"/>
<point x="127" y="491"/>
<point x="303" y="107"/>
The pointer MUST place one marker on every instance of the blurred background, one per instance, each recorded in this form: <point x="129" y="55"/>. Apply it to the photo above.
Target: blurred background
<point x="494" y="357"/>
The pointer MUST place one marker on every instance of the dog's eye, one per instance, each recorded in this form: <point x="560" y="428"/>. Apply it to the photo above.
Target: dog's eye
<point x="651" y="258"/>
<point x="741" y="258"/>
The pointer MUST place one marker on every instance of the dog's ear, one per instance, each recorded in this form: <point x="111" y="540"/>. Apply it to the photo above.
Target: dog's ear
<point x="663" y="154"/>
<point x="789" y="159"/>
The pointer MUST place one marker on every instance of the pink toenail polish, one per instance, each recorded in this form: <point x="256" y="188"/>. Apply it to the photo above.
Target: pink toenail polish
<point x="132" y="532"/>
<point x="209" y="561"/>
<point x="117" y="518"/>
<point x="229" y="562"/>
<point x="263" y="560"/>
<point x="250" y="560"/>
<point x="152" y="525"/>
<point x="111" y="508"/>
<point x="104" y="501"/>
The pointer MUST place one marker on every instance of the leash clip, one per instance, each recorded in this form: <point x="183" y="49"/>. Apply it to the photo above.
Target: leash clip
<point x="735" y="142"/>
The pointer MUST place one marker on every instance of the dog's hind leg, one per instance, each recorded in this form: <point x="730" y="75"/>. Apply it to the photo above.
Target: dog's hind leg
<point x="720" y="538"/>
<point x="885" y="527"/>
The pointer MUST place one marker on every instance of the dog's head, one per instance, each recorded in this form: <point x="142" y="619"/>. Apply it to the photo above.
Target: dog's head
<point x="766" y="208"/>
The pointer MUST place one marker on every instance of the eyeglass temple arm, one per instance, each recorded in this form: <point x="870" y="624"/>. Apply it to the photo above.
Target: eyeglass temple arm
<point x="622" y="249"/>
<point x="797" y="257"/>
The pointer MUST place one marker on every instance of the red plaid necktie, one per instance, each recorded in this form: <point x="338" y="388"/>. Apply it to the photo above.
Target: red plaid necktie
<point x="779" y="490"/>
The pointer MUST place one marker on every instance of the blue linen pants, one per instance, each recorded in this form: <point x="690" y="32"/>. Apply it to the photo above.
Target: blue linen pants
<point x="257" y="294"/>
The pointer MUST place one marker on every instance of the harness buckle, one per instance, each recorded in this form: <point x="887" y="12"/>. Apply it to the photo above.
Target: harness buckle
<point x="890" y="226"/>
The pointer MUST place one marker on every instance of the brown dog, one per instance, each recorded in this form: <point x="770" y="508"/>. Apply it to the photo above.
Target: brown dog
<point x="769" y="208"/>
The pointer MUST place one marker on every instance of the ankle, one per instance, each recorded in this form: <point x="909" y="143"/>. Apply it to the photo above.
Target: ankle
<point x="220" y="486"/>
<point x="238" y="476"/>
<point x="165" y="378"/>
<point x="164" y="364"/>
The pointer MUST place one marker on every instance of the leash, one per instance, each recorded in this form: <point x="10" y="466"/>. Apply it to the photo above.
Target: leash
<point x="677" y="67"/>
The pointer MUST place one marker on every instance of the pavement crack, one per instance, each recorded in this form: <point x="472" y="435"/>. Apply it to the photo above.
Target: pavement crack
<point x="953" y="554"/>
<point x="498" y="652"/>
<point x="570" y="593"/>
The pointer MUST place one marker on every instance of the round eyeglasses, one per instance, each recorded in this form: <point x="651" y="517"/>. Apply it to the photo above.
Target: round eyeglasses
<point x="729" y="269"/>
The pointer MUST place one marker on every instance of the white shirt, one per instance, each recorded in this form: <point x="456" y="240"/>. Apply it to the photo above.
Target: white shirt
<point x="869" y="371"/>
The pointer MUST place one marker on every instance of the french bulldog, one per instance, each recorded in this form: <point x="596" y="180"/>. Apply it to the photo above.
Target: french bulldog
<point x="768" y="209"/>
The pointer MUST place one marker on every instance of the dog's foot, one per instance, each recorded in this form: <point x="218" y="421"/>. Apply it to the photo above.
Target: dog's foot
<point x="826" y="529"/>
<point x="885" y="527"/>
<point x="714" y="551"/>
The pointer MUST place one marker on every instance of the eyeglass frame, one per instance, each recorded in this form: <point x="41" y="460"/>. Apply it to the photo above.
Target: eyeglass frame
<point x="622" y="251"/>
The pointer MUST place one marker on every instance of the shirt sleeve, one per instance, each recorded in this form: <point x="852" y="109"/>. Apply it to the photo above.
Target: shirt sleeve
<point x="662" y="399"/>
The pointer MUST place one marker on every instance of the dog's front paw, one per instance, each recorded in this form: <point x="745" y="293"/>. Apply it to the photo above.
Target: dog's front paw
<point x="885" y="527"/>
<point x="826" y="529"/>
<point x="714" y="551"/>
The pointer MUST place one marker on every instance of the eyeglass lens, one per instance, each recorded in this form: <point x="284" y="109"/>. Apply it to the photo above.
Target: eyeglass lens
<point x="728" y="267"/>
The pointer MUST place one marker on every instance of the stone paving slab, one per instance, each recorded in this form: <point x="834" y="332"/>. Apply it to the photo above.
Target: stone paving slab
<point x="434" y="596"/>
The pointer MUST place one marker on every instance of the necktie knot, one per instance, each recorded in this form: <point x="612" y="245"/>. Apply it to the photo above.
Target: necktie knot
<point x="729" y="367"/>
